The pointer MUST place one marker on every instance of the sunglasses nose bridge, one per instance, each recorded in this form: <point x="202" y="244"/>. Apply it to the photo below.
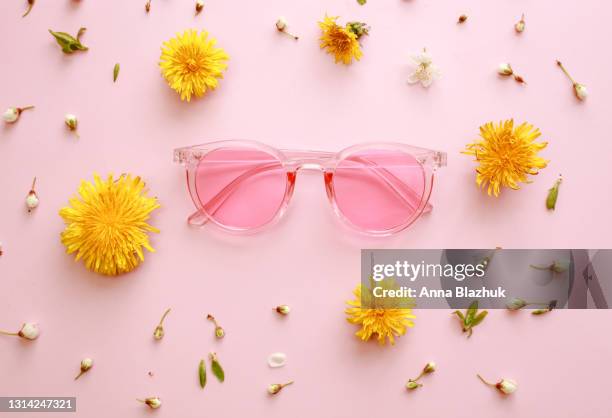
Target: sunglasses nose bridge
<point x="307" y="164"/>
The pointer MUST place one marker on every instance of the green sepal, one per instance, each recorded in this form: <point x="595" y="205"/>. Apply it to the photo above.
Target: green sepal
<point x="116" y="72"/>
<point x="68" y="43"/>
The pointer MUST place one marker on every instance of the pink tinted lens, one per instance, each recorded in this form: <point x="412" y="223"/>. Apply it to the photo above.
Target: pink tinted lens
<point x="378" y="190"/>
<point x="240" y="187"/>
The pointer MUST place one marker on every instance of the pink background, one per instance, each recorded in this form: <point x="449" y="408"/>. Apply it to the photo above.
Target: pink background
<point x="291" y="94"/>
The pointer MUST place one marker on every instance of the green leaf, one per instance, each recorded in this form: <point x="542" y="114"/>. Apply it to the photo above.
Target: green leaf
<point x="553" y="193"/>
<point x="471" y="312"/>
<point x="68" y="43"/>
<point x="479" y="318"/>
<point x="202" y="373"/>
<point x="216" y="368"/>
<point x="116" y="72"/>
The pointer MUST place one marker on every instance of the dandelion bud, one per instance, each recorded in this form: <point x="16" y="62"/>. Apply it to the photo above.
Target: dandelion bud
<point x="86" y="364"/>
<point x="199" y="6"/>
<point x="429" y="367"/>
<point x="358" y="28"/>
<point x="519" y="27"/>
<point x="153" y="402"/>
<point x="580" y="90"/>
<point x="32" y="198"/>
<point x="219" y="332"/>
<point x="505" y="69"/>
<point x="28" y="331"/>
<point x="274" y="388"/>
<point x="412" y="385"/>
<point x="283" y="309"/>
<point x="12" y="114"/>
<point x="158" y="333"/>
<point x="281" y="26"/>
<point x="516" y="304"/>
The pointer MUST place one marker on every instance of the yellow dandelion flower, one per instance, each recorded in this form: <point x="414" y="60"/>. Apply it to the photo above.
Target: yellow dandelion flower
<point x="341" y="42"/>
<point x="383" y="322"/>
<point x="191" y="64"/>
<point x="106" y="225"/>
<point x="506" y="155"/>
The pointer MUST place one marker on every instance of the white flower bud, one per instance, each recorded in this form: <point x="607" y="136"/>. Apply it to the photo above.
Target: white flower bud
<point x="274" y="388"/>
<point x="153" y="402"/>
<point x="29" y="331"/>
<point x="505" y="69"/>
<point x="277" y="360"/>
<point x="32" y="200"/>
<point x="507" y="386"/>
<point x="516" y="303"/>
<point x="581" y="91"/>
<point x="86" y="364"/>
<point x="283" y="309"/>
<point x="281" y="24"/>
<point x="11" y="115"/>
<point x="519" y="27"/>
<point x="158" y="333"/>
<point x="430" y="367"/>
<point x="71" y="121"/>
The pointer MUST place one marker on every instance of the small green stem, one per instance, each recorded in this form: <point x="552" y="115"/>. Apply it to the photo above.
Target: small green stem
<point x="164" y="316"/>
<point x="418" y="377"/>
<point x="534" y="266"/>
<point x="484" y="381"/>
<point x="14" y="334"/>
<point x="565" y="72"/>
<point x="286" y="384"/>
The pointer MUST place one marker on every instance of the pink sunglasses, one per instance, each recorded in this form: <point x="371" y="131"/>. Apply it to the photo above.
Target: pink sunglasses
<point x="378" y="189"/>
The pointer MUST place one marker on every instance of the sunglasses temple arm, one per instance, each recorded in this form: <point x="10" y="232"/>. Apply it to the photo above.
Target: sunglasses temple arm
<point x="410" y="197"/>
<point x="197" y="218"/>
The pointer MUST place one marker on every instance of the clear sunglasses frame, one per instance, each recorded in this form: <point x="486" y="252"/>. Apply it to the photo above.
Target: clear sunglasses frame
<point x="293" y="161"/>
